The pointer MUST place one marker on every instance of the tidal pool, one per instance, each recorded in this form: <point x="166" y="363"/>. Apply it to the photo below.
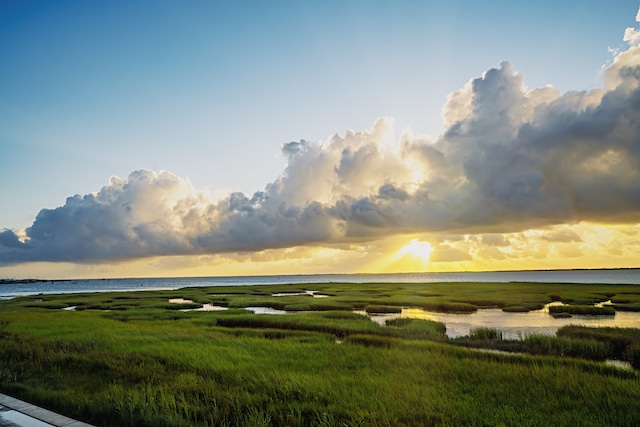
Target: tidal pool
<point x="314" y="294"/>
<point x="513" y="325"/>
<point x="205" y="307"/>
<point x="267" y="310"/>
<point x="209" y="307"/>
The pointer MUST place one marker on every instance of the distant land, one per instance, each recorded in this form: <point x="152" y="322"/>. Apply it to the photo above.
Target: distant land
<point x="14" y="281"/>
<point x="25" y="281"/>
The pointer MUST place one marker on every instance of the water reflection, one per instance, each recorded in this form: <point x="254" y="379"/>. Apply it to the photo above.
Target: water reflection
<point x="265" y="310"/>
<point x="314" y="294"/>
<point x="209" y="307"/>
<point x="205" y="307"/>
<point x="513" y="325"/>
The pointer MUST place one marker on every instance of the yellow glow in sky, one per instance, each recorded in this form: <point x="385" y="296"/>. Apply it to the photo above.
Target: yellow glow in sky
<point x="582" y="245"/>
<point x="417" y="249"/>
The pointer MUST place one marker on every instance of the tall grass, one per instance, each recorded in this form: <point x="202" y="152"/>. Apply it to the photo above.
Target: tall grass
<point x="485" y="334"/>
<point x="179" y="373"/>
<point x="584" y="310"/>
<point x="624" y="343"/>
<point x="147" y="365"/>
<point x="381" y="309"/>
<point x="567" y="347"/>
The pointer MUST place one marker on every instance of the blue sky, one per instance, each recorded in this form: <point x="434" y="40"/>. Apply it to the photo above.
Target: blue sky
<point x="210" y="91"/>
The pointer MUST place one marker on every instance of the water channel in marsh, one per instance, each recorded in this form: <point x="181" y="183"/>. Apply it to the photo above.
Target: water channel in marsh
<point x="512" y="325"/>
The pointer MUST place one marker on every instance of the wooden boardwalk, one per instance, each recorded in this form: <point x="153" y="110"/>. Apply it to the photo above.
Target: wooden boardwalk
<point x="17" y="413"/>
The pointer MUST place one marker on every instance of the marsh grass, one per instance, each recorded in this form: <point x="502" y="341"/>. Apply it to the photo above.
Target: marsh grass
<point x="146" y="364"/>
<point x="516" y="309"/>
<point x="370" y="340"/>
<point x="444" y="297"/>
<point x="302" y="322"/>
<point x="416" y="329"/>
<point x="634" y="307"/>
<point x="626" y="301"/>
<point x="398" y="322"/>
<point x="632" y="355"/>
<point x="382" y="309"/>
<point x="582" y="310"/>
<point x="570" y="341"/>
<point x="447" y="307"/>
<point x="565" y="347"/>
<point x="622" y="341"/>
<point x="485" y="334"/>
<point x="318" y="305"/>
<point x="179" y="306"/>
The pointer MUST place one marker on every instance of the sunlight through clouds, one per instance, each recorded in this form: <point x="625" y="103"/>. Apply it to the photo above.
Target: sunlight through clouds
<point x="417" y="249"/>
<point x="520" y="178"/>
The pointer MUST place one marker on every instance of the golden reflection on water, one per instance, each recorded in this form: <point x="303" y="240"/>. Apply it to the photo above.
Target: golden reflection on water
<point x="513" y="325"/>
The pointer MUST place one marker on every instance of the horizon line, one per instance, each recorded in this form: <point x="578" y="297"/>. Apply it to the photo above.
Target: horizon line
<point x="325" y="274"/>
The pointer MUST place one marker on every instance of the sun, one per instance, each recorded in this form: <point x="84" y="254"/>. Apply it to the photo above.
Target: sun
<point x="417" y="249"/>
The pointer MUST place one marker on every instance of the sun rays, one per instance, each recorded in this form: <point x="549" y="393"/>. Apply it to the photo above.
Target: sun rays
<point x="417" y="249"/>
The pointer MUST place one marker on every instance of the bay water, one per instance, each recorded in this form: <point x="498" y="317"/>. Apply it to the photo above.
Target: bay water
<point x="513" y="325"/>
<point x="622" y="276"/>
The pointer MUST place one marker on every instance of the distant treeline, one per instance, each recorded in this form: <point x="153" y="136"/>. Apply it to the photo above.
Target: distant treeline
<point x="20" y="281"/>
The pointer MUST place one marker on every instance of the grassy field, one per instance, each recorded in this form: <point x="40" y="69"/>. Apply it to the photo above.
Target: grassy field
<point x="135" y="359"/>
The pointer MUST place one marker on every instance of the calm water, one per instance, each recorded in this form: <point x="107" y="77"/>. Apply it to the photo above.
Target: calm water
<point x="515" y="325"/>
<point x="512" y="325"/>
<point x="631" y="276"/>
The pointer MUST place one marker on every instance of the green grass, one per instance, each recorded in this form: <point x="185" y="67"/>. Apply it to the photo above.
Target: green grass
<point x="444" y="297"/>
<point x="519" y="309"/>
<point x="620" y="339"/>
<point x="382" y="309"/>
<point x="566" y="347"/>
<point x="583" y="310"/>
<point x="145" y="363"/>
<point x="485" y="334"/>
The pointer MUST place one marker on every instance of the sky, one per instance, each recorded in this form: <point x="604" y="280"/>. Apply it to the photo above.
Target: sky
<point x="162" y="138"/>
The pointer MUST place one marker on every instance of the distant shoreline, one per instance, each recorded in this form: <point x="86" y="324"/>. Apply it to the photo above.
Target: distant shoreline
<point x="14" y="281"/>
<point x="27" y="281"/>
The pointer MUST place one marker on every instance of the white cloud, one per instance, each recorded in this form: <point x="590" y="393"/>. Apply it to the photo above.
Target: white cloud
<point x="510" y="159"/>
<point x="632" y="35"/>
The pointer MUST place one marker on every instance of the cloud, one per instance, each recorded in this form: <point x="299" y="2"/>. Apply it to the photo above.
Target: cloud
<point x="152" y="214"/>
<point x="445" y="253"/>
<point x="510" y="159"/>
<point x="632" y="35"/>
<point x="562" y="236"/>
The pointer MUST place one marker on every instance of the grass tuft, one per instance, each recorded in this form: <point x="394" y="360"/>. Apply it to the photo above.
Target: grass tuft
<point x="382" y="309"/>
<point x="485" y="334"/>
<point x="582" y="310"/>
<point x="370" y="340"/>
<point x="516" y="309"/>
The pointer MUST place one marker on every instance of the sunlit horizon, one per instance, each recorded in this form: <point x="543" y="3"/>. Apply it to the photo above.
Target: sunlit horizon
<point x="399" y="260"/>
<point x="207" y="141"/>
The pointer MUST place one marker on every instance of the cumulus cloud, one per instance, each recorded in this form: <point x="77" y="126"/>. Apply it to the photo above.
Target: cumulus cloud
<point x="511" y="159"/>
<point x="632" y="35"/>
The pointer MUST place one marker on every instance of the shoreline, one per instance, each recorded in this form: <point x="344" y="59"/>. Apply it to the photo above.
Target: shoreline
<point x="410" y="273"/>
